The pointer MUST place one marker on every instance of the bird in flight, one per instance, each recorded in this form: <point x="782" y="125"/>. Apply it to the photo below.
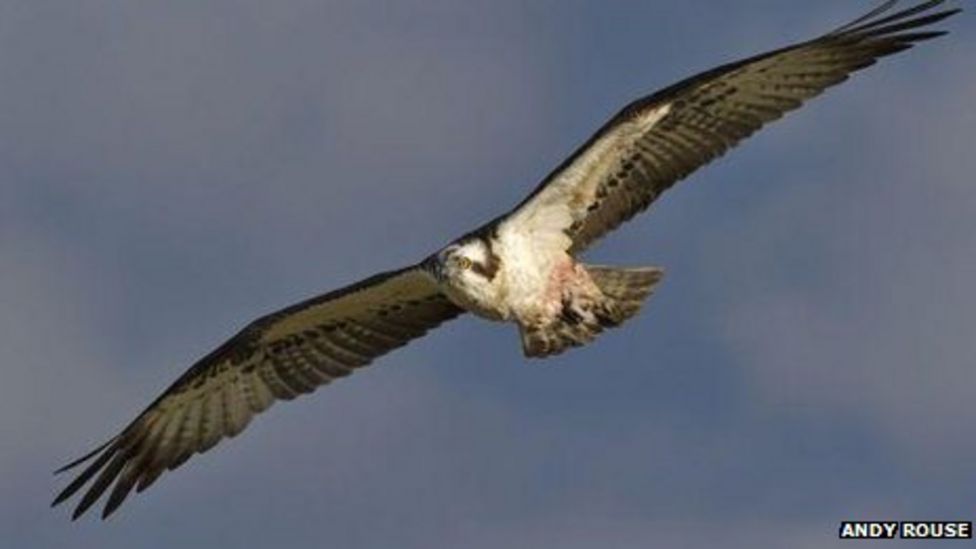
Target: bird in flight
<point x="521" y="267"/>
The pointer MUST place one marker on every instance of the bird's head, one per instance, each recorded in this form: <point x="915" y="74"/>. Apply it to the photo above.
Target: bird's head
<point x="466" y="264"/>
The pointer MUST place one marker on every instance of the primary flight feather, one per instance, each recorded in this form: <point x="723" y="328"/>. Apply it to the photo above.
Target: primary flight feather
<point x="519" y="268"/>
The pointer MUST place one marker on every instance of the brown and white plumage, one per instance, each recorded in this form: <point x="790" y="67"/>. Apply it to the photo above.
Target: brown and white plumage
<point x="277" y="357"/>
<point x="660" y="139"/>
<point x="521" y="267"/>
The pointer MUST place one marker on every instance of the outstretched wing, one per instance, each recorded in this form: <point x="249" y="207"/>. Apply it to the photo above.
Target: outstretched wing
<point x="658" y="140"/>
<point x="277" y="357"/>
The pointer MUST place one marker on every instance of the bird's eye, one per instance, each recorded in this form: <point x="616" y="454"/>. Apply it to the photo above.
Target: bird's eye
<point x="464" y="262"/>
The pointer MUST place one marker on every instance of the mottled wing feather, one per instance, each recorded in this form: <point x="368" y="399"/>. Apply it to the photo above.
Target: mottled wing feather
<point x="277" y="357"/>
<point x="660" y="139"/>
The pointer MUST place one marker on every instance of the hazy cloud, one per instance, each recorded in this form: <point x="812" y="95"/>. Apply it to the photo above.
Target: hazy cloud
<point x="170" y="171"/>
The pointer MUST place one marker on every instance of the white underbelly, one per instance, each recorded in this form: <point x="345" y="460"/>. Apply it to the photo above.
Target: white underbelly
<point x="531" y="277"/>
<point x="480" y="305"/>
<point x="528" y="285"/>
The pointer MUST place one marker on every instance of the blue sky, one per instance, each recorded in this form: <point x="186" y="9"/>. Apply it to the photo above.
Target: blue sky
<point x="169" y="171"/>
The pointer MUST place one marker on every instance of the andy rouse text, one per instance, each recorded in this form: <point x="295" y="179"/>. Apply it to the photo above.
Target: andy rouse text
<point x="906" y="529"/>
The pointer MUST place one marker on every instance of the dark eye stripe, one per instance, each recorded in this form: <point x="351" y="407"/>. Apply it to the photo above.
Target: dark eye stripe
<point x="488" y="271"/>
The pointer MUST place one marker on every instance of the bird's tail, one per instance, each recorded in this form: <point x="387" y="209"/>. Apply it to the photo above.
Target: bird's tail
<point x="622" y="293"/>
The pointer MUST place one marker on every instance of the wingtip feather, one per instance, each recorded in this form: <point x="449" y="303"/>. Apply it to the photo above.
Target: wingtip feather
<point x="866" y="17"/>
<point x="85" y="457"/>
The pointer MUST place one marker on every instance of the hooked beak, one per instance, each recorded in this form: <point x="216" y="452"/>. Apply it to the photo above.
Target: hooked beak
<point x="435" y="266"/>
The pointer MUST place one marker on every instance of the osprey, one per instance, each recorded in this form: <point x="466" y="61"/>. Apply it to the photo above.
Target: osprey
<point x="520" y="268"/>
